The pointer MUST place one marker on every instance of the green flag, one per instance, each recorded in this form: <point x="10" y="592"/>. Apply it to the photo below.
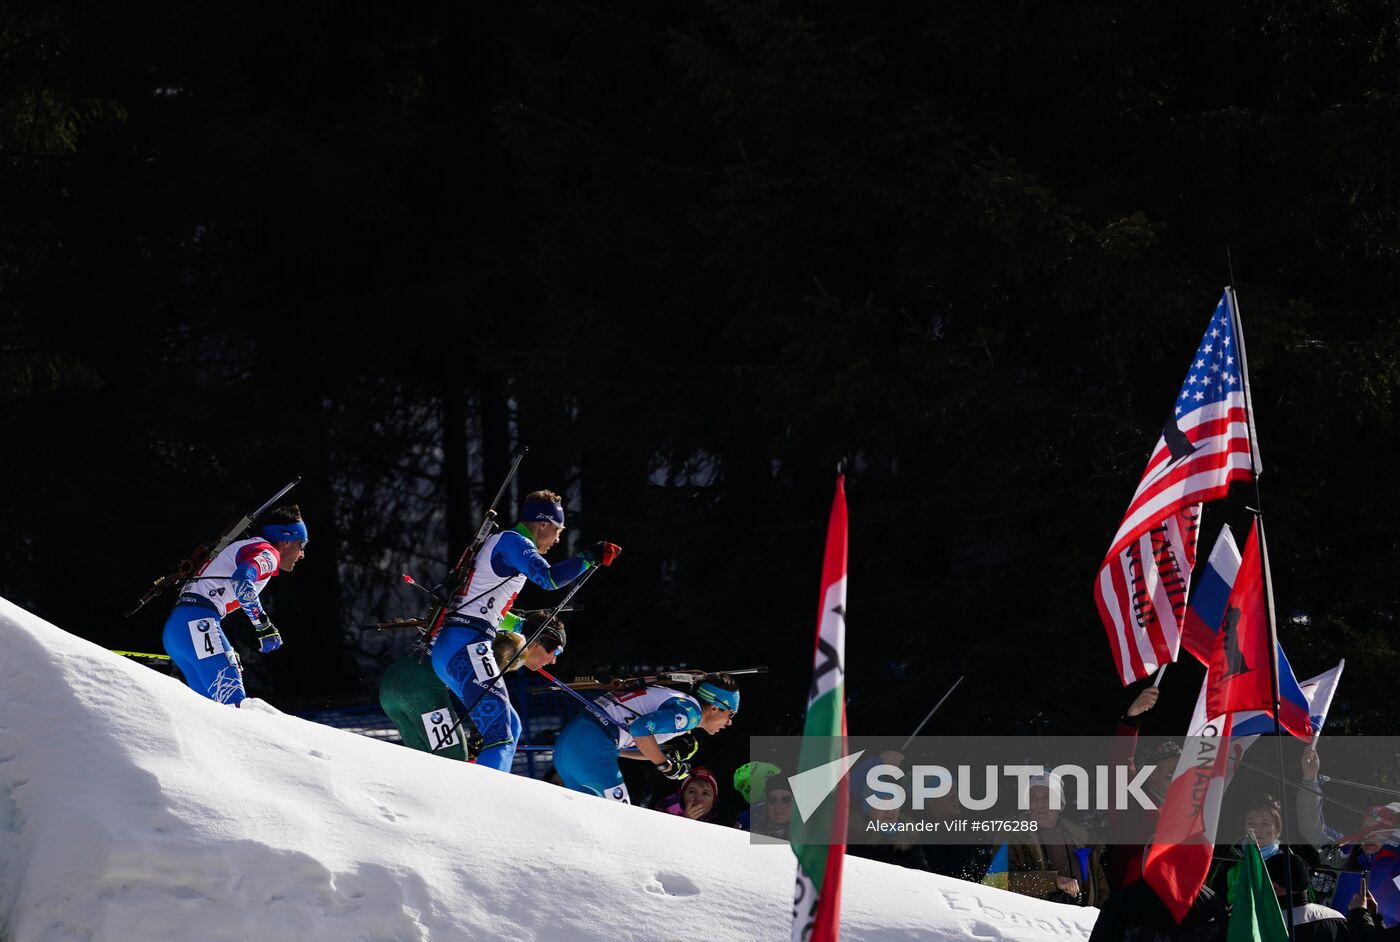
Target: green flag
<point x="1255" y="916"/>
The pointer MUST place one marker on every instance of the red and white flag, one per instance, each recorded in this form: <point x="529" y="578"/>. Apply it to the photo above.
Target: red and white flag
<point x="1143" y="582"/>
<point x="1176" y="864"/>
<point x="819" y="834"/>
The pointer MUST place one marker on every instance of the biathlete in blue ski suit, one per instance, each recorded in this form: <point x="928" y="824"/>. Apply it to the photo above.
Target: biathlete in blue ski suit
<point x="194" y="637"/>
<point x="638" y="722"/>
<point x="462" y="656"/>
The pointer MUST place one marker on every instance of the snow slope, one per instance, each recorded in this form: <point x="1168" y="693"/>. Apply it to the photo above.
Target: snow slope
<point x="132" y="809"/>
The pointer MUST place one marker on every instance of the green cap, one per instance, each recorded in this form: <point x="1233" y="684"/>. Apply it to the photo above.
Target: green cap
<point x="753" y="776"/>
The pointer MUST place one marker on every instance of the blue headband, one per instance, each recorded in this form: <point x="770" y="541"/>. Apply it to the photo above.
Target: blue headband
<point x="537" y="509"/>
<point x="718" y="696"/>
<point x="285" y="532"/>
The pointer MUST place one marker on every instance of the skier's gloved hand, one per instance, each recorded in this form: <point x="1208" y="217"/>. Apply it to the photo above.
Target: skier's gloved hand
<point x="683" y="747"/>
<point x="674" y="769"/>
<point x="269" y="639"/>
<point x="601" y="553"/>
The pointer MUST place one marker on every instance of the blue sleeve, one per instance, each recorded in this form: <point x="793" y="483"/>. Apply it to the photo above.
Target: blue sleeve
<point x="676" y="715"/>
<point x="245" y="578"/>
<point x="515" y="553"/>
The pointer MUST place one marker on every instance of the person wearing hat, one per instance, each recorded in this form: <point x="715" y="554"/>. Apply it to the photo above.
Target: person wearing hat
<point x="695" y="799"/>
<point x="637" y="723"/>
<point x="772" y="817"/>
<point x="194" y="635"/>
<point x="1048" y="865"/>
<point x="462" y="655"/>
<point x="750" y="780"/>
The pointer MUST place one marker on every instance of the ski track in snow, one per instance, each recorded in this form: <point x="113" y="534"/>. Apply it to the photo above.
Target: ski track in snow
<point x="133" y="809"/>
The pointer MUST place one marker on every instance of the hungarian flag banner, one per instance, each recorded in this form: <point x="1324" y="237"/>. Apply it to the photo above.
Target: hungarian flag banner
<point x="819" y="840"/>
<point x="1143" y="582"/>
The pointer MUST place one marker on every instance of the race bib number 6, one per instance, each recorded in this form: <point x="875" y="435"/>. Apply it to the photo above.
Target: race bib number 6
<point x="208" y="640"/>
<point x="484" y="664"/>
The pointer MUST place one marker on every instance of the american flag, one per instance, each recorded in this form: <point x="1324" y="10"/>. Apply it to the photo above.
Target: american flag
<point x="1143" y="582"/>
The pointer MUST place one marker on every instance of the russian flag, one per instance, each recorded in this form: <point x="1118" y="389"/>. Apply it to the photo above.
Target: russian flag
<point x="1206" y="610"/>
<point x="1317" y="693"/>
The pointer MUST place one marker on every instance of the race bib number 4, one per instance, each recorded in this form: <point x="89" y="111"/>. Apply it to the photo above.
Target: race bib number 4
<point x="439" y="727"/>
<point x="206" y="637"/>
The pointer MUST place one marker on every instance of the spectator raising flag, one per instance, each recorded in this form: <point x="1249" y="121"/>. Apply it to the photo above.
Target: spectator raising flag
<point x="1144" y="580"/>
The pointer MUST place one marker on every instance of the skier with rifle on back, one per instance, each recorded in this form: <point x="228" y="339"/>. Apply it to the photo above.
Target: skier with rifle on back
<point x="634" y="725"/>
<point x="462" y="655"/>
<point x="232" y="578"/>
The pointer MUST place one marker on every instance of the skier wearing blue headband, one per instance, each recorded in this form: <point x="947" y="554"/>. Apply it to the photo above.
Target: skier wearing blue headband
<point x="194" y="636"/>
<point x="462" y="655"/>
<point x="638" y="722"/>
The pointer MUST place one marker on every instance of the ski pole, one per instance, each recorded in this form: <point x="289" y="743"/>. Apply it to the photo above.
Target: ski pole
<point x="500" y="679"/>
<point x="931" y="712"/>
<point x="229" y="535"/>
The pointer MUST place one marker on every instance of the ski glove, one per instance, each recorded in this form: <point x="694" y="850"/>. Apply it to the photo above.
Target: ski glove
<point x="268" y="638"/>
<point x="683" y="747"/>
<point x="603" y="553"/>
<point x="674" y="769"/>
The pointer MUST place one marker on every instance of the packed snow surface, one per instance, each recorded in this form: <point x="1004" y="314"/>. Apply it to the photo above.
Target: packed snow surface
<point x="133" y="809"/>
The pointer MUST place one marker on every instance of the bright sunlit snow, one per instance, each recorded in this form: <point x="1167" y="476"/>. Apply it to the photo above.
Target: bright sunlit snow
<point x="133" y="809"/>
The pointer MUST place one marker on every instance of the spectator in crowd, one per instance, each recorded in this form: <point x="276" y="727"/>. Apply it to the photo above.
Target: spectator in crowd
<point x="696" y="798"/>
<point x="1365" y="922"/>
<point x="750" y="780"/>
<point x="1136" y="825"/>
<point x="875" y="833"/>
<point x="1312" y="922"/>
<point x="1378" y="830"/>
<point x="772" y="817"/>
<point x="1049" y="865"/>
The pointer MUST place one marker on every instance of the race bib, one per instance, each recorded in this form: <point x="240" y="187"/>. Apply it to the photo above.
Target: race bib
<point x="439" y="726"/>
<point x="618" y="793"/>
<point x="206" y="637"/>
<point x="484" y="664"/>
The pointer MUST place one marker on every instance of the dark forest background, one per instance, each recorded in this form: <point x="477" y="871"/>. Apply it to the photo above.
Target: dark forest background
<point x="692" y="253"/>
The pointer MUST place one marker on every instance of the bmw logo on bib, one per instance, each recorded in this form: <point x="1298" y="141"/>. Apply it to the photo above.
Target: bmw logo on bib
<point x="617" y="793"/>
<point x="437" y="718"/>
<point x="481" y="648"/>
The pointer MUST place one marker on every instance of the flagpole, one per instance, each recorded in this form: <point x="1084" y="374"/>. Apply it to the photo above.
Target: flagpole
<point x="1278" y="727"/>
<point x="1256" y="463"/>
<point x="1257" y="467"/>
